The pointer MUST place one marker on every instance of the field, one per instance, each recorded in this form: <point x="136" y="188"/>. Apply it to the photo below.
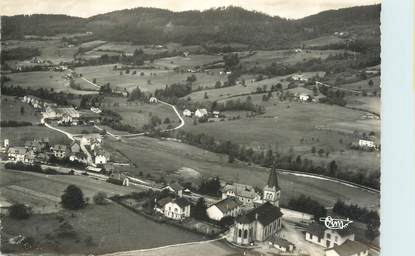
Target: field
<point x="43" y="79"/>
<point x="323" y="41"/>
<point x="364" y="85"/>
<point x="371" y="104"/>
<point x="288" y="57"/>
<point x="18" y="135"/>
<point x="250" y="87"/>
<point x="150" y="80"/>
<point x="50" y="50"/>
<point x="138" y="114"/>
<point x="11" y="110"/>
<point x="186" y="62"/>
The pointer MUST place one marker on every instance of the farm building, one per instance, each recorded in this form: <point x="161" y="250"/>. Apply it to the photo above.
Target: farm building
<point x="257" y="225"/>
<point x="303" y="97"/>
<point x="187" y="113"/>
<point x="319" y="234"/>
<point x="282" y="244"/>
<point x="75" y="147"/>
<point x="244" y="193"/>
<point x="17" y="153"/>
<point x="367" y="144"/>
<point x="121" y="177"/>
<point x="175" y="188"/>
<point x="174" y="208"/>
<point x="153" y="100"/>
<point x="348" y="248"/>
<point x="102" y="157"/>
<point x="226" y="207"/>
<point x="201" y="112"/>
<point x="299" y="77"/>
<point x="60" y="151"/>
<point x="54" y="113"/>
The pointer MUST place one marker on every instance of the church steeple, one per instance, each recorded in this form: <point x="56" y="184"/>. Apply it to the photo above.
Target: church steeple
<point x="272" y="190"/>
<point x="273" y="178"/>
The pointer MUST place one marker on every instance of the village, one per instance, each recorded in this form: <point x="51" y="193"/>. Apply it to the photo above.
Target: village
<point x="112" y="145"/>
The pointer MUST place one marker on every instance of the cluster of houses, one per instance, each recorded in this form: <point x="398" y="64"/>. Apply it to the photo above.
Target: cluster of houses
<point x="37" y="103"/>
<point x="38" y="151"/>
<point x="201" y="112"/>
<point x="63" y="115"/>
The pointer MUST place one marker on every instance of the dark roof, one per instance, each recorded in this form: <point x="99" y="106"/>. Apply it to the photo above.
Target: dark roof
<point x="265" y="214"/>
<point x="316" y="229"/>
<point x="349" y="248"/>
<point x="273" y="179"/>
<point x="182" y="202"/>
<point x="282" y="242"/>
<point x="162" y="202"/>
<point x="228" y="204"/>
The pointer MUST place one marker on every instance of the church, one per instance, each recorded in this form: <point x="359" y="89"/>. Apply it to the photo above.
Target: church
<point x="261" y="222"/>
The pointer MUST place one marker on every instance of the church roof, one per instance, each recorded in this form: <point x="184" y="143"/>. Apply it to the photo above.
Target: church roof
<point x="265" y="214"/>
<point x="273" y="179"/>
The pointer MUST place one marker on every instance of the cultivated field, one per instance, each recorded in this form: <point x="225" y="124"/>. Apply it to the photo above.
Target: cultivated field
<point x="323" y="41"/>
<point x="371" y="104"/>
<point x="186" y="62"/>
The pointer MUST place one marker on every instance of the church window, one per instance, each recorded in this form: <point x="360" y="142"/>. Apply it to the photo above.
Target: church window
<point x="240" y="233"/>
<point x="245" y="233"/>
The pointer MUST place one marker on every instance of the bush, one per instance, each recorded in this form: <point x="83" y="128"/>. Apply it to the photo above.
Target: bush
<point x="100" y="198"/>
<point x="19" y="211"/>
<point x="73" y="198"/>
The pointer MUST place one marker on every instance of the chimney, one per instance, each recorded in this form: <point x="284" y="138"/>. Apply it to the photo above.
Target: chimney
<point x="256" y="216"/>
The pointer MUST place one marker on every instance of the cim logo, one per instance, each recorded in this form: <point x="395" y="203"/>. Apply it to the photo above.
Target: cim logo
<point x="333" y="223"/>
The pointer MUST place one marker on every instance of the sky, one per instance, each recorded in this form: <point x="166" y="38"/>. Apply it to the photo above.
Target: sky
<point x="85" y="8"/>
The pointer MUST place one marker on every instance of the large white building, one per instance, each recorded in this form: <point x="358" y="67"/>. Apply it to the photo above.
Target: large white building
<point x="174" y="208"/>
<point x="318" y="234"/>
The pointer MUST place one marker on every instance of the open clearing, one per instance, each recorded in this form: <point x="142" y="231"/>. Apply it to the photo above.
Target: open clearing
<point x="147" y="79"/>
<point x="43" y="79"/>
<point x="162" y="158"/>
<point x="11" y="110"/>
<point x="18" y="135"/>
<point x="371" y="104"/>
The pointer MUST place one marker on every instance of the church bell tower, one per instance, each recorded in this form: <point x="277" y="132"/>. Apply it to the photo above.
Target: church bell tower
<point x="272" y="190"/>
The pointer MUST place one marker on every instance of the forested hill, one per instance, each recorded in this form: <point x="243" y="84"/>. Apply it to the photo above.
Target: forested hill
<point x="230" y="24"/>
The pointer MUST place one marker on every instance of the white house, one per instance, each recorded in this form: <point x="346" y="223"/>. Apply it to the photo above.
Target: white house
<point x="348" y="248"/>
<point x="299" y="77"/>
<point x="367" y="143"/>
<point x="153" y="100"/>
<point x="17" y="153"/>
<point x="318" y="234"/>
<point x="226" y="207"/>
<point x="304" y="97"/>
<point x="102" y="157"/>
<point x="201" y="112"/>
<point x="187" y="113"/>
<point x="174" y="208"/>
<point x="60" y="151"/>
<point x="216" y="114"/>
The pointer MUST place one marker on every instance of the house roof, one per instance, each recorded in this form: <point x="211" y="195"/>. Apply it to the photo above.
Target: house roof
<point x="181" y="202"/>
<point x="242" y="190"/>
<point x="227" y="204"/>
<point x="265" y="214"/>
<point x="174" y="186"/>
<point x="17" y="150"/>
<point x="202" y="111"/>
<point x="60" y="147"/>
<point x="162" y="202"/>
<point x="349" y="248"/>
<point x="319" y="229"/>
<point x="316" y="229"/>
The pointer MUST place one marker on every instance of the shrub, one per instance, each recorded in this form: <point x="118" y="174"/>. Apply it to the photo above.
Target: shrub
<point x="100" y="198"/>
<point x="73" y="198"/>
<point x="19" y="211"/>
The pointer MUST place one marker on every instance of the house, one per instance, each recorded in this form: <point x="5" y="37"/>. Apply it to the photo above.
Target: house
<point x="226" y="207"/>
<point x="299" y="77"/>
<point x="304" y="97"/>
<point x="187" y="113"/>
<point x="282" y="244"/>
<point x="175" y="188"/>
<point x="60" y="151"/>
<point x="29" y="157"/>
<point x="244" y="193"/>
<point x="17" y="153"/>
<point x="121" y="177"/>
<point x="328" y="238"/>
<point x="367" y="144"/>
<point x="257" y="225"/>
<point x="348" y="248"/>
<point x="102" y="157"/>
<point x="216" y="114"/>
<point x="201" y="112"/>
<point x="75" y="147"/>
<point x="174" y="208"/>
<point x="153" y="100"/>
